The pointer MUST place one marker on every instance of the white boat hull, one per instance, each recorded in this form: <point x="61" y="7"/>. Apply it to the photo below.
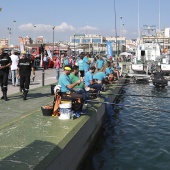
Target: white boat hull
<point x="165" y="67"/>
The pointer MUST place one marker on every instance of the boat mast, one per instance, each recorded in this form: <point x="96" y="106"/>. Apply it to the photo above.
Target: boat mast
<point x="138" y="23"/>
<point x="159" y="18"/>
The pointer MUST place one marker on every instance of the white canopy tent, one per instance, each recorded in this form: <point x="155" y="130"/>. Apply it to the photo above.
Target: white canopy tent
<point x="125" y="54"/>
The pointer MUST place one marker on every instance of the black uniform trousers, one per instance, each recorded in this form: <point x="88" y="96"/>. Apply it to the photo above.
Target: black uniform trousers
<point x="4" y="81"/>
<point x="24" y="82"/>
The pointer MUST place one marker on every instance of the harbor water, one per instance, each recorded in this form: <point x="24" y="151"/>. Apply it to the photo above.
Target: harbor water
<point x="136" y="134"/>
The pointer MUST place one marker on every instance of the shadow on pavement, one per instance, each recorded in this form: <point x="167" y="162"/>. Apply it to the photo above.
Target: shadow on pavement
<point x="39" y="153"/>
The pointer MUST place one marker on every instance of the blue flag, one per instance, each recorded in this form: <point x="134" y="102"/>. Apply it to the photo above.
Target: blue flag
<point x="109" y="49"/>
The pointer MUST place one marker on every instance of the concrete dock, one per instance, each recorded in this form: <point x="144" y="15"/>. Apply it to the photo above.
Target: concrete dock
<point x="30" y="140"/>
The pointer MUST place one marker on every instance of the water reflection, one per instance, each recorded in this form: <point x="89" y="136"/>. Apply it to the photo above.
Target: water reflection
<point x="135" y="138"/>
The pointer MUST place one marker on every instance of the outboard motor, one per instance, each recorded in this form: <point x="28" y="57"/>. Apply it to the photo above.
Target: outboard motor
<point x="159" y="80"/>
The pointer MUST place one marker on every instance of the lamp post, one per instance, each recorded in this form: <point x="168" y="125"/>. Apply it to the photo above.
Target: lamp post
<point x="123" y="29"/>
<point x="53" y="40"/>
<point x="34" y="34"/>
<point x="120" y="26"/>
<point x="9" y="36"/>
<point x="115" y="26"/>
<point x="74" y="45"/>
<point x="159" y="17"/>
<point x="14" y="32"/>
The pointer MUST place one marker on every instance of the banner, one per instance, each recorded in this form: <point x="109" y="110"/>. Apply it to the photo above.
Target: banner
<point x="21" y="44"/>
<point x="109" y="49"/>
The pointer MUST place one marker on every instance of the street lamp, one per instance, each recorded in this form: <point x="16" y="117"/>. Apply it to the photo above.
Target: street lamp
<point x="53" y="40"/>
<point x="115" y="26"/>
<point x="74" y="44"/>
<point x="123" y="29"/>
<point x="9" y="36"/>
<point x="14" y="32"/>
<point x="120" y="26"/>
<point x="34" y="34"/>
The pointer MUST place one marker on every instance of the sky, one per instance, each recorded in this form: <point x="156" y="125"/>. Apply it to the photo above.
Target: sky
<point x="37" y="17"/>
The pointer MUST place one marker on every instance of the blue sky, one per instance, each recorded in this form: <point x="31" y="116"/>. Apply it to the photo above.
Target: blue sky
<point x="79" y="16"/>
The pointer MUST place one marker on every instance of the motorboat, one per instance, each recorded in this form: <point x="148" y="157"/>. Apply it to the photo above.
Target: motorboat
<point x="148" y="55"/>
<point x="159" y="80"/>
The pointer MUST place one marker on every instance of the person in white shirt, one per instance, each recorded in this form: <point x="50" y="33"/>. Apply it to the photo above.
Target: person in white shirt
<point x="14" y="65"/>
<point x="45" y="59"/>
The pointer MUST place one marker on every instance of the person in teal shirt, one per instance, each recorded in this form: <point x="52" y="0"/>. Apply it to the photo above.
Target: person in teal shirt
<point x="109" y="69"/>
<point x="81" y="67"/>
<point x="100" y="63"/>
<point x="99" y="76"/>
<point x="67" y="87"/>
<point x="86" y="63"/>
<point x="89" y="81"/>
<point x="66" y="62"/>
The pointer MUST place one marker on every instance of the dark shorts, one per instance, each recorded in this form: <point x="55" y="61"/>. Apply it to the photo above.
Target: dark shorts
<point x="81" y="73"/>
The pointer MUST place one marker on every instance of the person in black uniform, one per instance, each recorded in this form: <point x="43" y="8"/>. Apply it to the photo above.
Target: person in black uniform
<point x="5" y="62"/>
<point x="25" y="65"/>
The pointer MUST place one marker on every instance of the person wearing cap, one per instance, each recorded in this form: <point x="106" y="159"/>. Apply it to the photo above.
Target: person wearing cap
<point x="5" y="63"/>
<point x="67" y="87"/>
<point x="25" y="66"/>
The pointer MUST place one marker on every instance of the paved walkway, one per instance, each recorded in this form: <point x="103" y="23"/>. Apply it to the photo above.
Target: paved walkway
<point x="49" y="78"/>
<point x="27" y="137"/>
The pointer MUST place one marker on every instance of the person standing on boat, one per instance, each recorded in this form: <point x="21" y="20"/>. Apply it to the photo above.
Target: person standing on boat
<point x="5" y="63"/>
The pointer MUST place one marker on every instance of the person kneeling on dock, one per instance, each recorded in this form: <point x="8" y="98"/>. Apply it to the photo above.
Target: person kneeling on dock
<point x="67" y="91"/>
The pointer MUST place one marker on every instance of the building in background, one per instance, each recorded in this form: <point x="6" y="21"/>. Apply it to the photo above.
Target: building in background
<point x="4" y="42"/>
<point x="39" y="40"/>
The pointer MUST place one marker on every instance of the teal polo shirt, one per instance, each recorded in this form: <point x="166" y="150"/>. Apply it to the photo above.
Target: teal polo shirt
<point x="64" y="81"/>
<point x="99" y="76"/>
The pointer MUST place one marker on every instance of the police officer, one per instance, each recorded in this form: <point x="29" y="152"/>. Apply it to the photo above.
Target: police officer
<point x="5" y="62"/>
<point x="25" y="65"/>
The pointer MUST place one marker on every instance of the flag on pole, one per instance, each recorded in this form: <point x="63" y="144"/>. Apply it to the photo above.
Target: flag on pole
<point x="109" y="49"/>
<point x="21" y="44"/>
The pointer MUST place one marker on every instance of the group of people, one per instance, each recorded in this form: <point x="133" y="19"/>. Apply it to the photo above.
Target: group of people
<point x="20" y="67"/>
<point x="81" y="79"/>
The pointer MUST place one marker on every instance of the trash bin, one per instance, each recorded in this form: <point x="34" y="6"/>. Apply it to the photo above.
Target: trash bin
<point x="52" y="89"/>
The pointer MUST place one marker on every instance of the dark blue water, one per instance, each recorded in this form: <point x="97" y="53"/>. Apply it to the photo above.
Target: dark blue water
<point x="134" y="138"/>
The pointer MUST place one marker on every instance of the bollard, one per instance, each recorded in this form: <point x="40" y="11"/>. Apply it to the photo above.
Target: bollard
<point x="43" y="75"/>
<point x="58" y="73"/>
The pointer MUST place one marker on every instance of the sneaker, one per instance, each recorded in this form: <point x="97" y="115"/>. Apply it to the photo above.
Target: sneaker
<point x="83" y="112"/>
<point x="73" y="116"/>
<point x="77" y="114"/>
